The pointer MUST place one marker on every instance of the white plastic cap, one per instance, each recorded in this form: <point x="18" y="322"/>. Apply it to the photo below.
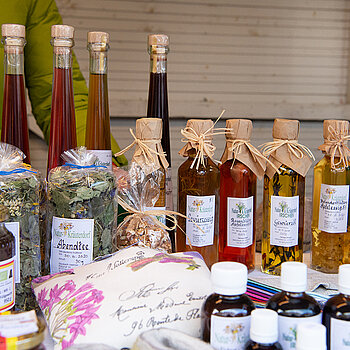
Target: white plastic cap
<point x="229" y="278"/>
<point x="311" y="336"/>
<point x="344" y="279"/>
<point x="264" y="326"/>
<point x="294" y="277"/>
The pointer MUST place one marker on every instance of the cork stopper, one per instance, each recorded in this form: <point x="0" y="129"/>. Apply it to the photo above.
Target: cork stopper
<point x="341" y="127"/>
<point x="149" y="128"/>
<point x="13" y="30"/>
<point x="158" y="39"/>
<point x="98" y="37"/>
<point x="200" y="126"/>
<point x="62" y="31"/>
<point x="239" y="129"/>
<point x="4" y="213"/>
<point x="285" y="129"/>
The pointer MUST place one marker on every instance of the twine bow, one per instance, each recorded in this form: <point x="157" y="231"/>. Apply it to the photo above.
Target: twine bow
<point x="338" y="143"/>
<point x="147" y="152"/>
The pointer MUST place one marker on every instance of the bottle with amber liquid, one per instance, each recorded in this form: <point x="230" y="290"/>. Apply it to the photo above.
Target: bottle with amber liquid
<point x="14" y="129"/>
<point x="63" y="129"/>
<point x="98" y="134"/>
<point x="284" y="197"/>
<point x="331" y="196"/>
<point x="293" y="305"/>
<point x="227" y="311"/>
<point x="198" y="193"/>
<point x="336" y="313"/>
<point x="7" y="263"/>
<point x="238" y="174"/>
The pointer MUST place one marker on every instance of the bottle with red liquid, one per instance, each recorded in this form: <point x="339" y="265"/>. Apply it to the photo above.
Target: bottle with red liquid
<point x="63" y="129"/>
<point x="98" y="134"/>
<point x="238" y="174"/>
<point x="14" y="128"/>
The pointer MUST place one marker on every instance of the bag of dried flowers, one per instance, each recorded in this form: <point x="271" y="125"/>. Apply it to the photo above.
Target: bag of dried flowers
<point x="20" y="192"/>
<point x="81" y="206"/>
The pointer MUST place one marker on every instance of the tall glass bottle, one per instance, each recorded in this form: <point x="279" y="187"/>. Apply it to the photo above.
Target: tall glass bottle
<point x="98" y="134"/>
<point x="158" y="48"/>
<point x="198" y="197"/>
<point x="14" y="128"/>
<point x="283" y="198"/>
<point x="331" y="210"/>
<point x="63" y="129"/>
<point x="238" y="194"/>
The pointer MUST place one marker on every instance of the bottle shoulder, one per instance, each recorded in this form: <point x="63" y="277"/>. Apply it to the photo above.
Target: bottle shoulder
<point x="338" y="307"/>
<point x="252" y="345"/>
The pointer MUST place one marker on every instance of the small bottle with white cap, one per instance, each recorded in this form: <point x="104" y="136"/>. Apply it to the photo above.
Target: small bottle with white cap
<point x="225" y="315"/>
<point x="311" y="336"/>
<point x="293" y="305"/>
<point x="263" y="331"/>
<point x="336" y="313"/>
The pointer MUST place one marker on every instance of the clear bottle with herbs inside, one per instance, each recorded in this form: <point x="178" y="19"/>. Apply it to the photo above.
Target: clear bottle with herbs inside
<point x="331" y="210"/>
<point x="336" y="313"/>
<point x="293" y="305"/>
<point x="14" y="128"/>
<point x="98" y="134"/>
<point x="198" y="193"/>
<point x="284" y="197"/>
<point x="228" y="309"/>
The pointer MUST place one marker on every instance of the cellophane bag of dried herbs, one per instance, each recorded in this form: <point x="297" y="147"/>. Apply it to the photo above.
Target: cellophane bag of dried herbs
<point x="81" y="210"/>
<point x="138" y="190"/>
<point x="20" y="192"/>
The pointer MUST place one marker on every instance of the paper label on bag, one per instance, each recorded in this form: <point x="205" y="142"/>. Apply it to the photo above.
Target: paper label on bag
<point x="227" y="333"/>
<point x="240" y="222"/>
<point x="7" y="284"/>
<point x="201" y="213"/>
<point x="284" y="221"/>
<point x="334" y="204"/>
<point x="287" y="329"/>
<point x="160" y="218"/>
<point x="104" y="157"/>
<point x="13" y="227"/>
<point x="340" y="334"/>
<point x="71" y="244"/>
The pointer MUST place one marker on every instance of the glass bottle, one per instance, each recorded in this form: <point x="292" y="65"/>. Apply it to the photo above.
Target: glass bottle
<point x="227" y="311"/>
<point x="7" y="261"/>
<point x="98" y="134"/>
<point x="198" y="199"/>
<point x="158" y="49"/>
<point x="237" y="201"/>
<point x="283" y="206"/>
<point x="14" y="128"/>
<point x="263" y="331"/>
<point x="336" y="313"/>
<point x="311" y="336"/>
<point x="63" y="129"/>
<point x="293" y="305"/>
<point x="331" y="210"/>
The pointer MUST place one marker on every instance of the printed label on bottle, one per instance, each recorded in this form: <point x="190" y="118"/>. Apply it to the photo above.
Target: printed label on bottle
<point x="284" y="222"/>
<point x="340" y="334"/>
<point x="18" y="324"/>
<point x="240" y="222"/>
<point x="161" y="218"/>
<point x="334" y="204"/>
<point x="7" y="284"/>
<point x="169" y="200"/>
<point x="13" y="227"/>
<point x="201" y="213"/>
<point x="287" y="329"/>
<point x="228" y="333"/>
<point x="71" y="243"/>
<point x="104" y="157"/>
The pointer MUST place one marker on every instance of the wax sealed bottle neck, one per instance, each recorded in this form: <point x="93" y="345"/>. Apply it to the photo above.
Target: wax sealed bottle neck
<point x="62" y="52"/>
<point x="13" y="51"/>
<point x="98" y="57"/>
<point x="158" y="58"/>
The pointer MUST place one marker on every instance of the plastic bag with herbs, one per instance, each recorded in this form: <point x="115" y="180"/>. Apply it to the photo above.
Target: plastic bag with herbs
<point x="20" y="192"/>
<point x="138" y="191"/>
<point x="81" y="206"/>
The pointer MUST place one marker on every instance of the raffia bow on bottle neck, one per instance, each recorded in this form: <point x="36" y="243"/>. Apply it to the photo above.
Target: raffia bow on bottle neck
<point x="289" y="152"/>
<point x="147" y="152"/>
<point x="336" y="147"/>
